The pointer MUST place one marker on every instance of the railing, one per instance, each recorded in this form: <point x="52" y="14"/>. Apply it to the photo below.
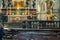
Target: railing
<point x="37" y="24"/>
<point x="34" y="24"/>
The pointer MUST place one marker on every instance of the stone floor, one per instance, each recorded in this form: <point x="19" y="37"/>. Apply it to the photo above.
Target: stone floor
<point x="51" y="38"/>
<point x="34" y="36"/>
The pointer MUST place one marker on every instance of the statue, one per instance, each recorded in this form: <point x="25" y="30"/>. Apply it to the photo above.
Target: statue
<point x="50" y="5"/>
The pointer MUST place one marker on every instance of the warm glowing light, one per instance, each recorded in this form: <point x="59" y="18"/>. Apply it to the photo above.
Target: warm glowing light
<point x="18" y="6"/>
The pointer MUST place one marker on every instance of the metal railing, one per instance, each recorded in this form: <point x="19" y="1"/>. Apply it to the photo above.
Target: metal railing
<point x="37" y="24"/>
<point x="34" y="24"/>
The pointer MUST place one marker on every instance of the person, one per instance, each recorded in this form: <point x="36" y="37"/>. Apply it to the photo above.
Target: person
<point x="1" y="31"/>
